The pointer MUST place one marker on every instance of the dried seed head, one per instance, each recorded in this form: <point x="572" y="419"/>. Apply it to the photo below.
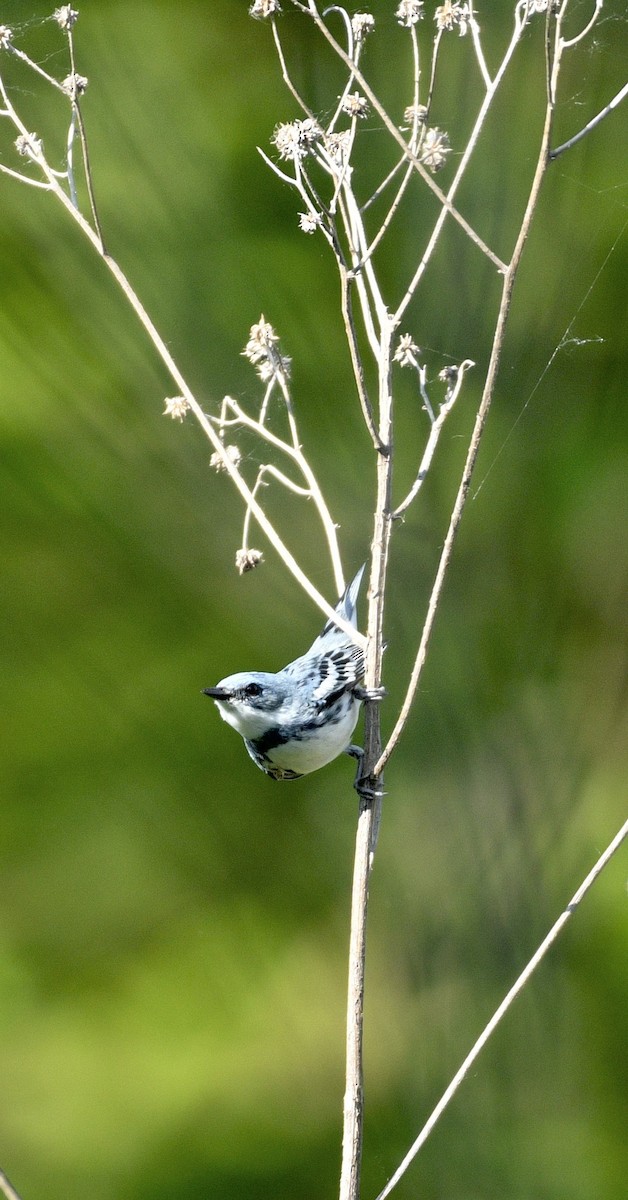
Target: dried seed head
<point x="262" y="351"/>
<point x="294" y="139"/>
<point x="406" y="351"/>
<point x="415" y="112"/>
<point x="453" y="15"/>
<point x="247" y="560"/>
<point x="74" y="85"/>
<point x="176" y="407"/>
<point x="309" y="222"/>
<point x="435" y="149"/>
<point x="409" y="12"/>
<point x="260" y="9"/>
<point x="262" y="338"/>
<point x="29" y="145"/>
<point x="541" y="6"/>
<point x="362" y="24"/>
<point x="233" y="453"/>
<point x="65" y="16"/>
<point x="355" y="105"/>
<point x="6" y="37"/>
<point x="337" y="145"/>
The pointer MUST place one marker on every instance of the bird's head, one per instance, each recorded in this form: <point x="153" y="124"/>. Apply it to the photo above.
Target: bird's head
<point x="252" y="702"/>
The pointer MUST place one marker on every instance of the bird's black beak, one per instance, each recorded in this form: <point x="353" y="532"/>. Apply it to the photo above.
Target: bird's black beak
<point x="217" y="693"/>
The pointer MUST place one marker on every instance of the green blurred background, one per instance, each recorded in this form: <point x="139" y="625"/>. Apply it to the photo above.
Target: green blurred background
<point x="173" y="925"/>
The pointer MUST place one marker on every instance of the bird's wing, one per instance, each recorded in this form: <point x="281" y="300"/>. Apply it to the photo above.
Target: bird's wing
<point x="336" y="672"/>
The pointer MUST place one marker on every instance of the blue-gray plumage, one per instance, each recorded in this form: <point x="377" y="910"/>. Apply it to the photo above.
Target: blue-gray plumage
<point x="301" y="718"/>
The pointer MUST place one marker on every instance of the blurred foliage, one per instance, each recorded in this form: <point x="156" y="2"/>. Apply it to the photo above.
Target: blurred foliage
<point x="173" y="925"/>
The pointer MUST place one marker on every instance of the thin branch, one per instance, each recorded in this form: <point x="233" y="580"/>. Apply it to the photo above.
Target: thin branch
<point x="474" y="446"/>
<point x="286" y="75"/>
<point x="430" y="90"/>
<point x="381" y="187"/>
<point x="36" y="155"/>
<point x="432" y="442"/>
<point x="385" y="225"/>
<point x="356" y="361"/>
<point x="299" y="181"/>
<point x="409" y="168"/>
<point x="69" y="158"/>
<point x="398" y="136"/>
<point x="7" y="1189"/>
<point x="479" y="52"/>
<point x="35" y="67"/>
<point x="352" y="55"/>
<point x="36" y="183"/>
<point x="503" y="1008"/>
<point x="158" y="343"/>
<point x="371" y="795"/>
<point x="567" y="43"/>
<point x="86" y="162"/>
<point x="293" y="451"/>
<point x="622" y="93"/>
<point x="462" y="166"/>
<point x="285" y="481"/>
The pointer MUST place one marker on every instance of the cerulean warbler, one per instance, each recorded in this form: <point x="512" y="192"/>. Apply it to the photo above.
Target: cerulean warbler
<point x="301" y="718"/>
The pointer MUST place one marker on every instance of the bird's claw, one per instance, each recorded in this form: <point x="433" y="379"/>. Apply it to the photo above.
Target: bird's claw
<point x="360" y="782"/>
<point x="363" y="693"/>
<point x="366" y="792"/>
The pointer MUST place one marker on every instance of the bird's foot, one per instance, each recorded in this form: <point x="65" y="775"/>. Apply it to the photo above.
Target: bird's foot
<point x="361" y="782"/>
<point x="363" y="693"/>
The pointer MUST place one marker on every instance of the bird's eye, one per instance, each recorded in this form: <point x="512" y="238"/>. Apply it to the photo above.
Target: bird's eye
<point x="252" y="689"/>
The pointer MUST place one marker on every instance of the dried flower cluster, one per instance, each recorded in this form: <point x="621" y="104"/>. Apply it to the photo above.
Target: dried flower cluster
<point x="409" y="12"/>
<point x="29" y="145"/>
<point x="407" y="351"/>
<point x="74" y="85"/>
<point x="435" y="149"/>
<point x="338" y="145"/>
<point x="355" y="105"/>
<point x="263" y="352"/>
<point x="309" y="222"/>
<point x="294" y="139"/>
<point x="233" y="453"/>
<point x="247" y="560"/>
<point x="176" y="407"/>
<point x="453" y="15"/>
<point x="362" y="24"/>
<point x="260" y="9"/>
<point x="415" y="112"/>
<point x="65" y="16"/>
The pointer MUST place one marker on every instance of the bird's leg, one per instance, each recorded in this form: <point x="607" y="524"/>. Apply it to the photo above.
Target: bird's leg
<point x="359" y="782"/>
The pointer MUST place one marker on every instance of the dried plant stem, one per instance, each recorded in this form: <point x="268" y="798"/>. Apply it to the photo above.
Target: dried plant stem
<point x="474" y="445"/>
<point x="506" y="1003"/>
<point x="432" y="441"/>
<point x="7" y="1189"/>
<point x="374" y="762"/>
<point x="293" y="451"/>
<point x="572" y="141"/>
<point x="370" y="798"/>
<point x="489" y="97"/>
<point x="176" y="375"/>
<point x="396" y="134"/>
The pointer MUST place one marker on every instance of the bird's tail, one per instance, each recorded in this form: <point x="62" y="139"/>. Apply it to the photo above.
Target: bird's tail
<point x="347" y="607"/>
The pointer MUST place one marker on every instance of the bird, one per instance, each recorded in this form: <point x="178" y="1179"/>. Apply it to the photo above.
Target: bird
<point x="301" y="718"/>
